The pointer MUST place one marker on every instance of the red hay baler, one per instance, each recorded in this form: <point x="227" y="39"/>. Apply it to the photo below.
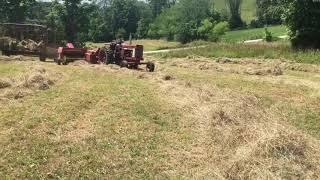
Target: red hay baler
<point x="70" y="53"/>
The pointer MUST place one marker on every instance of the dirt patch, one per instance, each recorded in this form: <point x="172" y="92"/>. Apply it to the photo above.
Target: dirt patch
<point x="38" y="78"/>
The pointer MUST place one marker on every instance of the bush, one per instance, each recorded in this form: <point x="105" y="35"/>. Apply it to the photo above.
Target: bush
<point x="267" y="35"/>
<point x="218" y="30"/>
<point x="255" y="23"/>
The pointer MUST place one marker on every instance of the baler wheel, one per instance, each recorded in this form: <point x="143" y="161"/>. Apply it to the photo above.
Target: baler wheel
<point x="42" y="57"/>
<point x="150" y="67"/>
<point x="64" y="60"/>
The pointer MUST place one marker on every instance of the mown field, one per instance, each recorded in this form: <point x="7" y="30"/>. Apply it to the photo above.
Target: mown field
<point x="211" y="114"/>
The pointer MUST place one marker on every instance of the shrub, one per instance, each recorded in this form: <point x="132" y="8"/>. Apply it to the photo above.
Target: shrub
<point x="255" y="23"/>
<point x="218" y="30"/>
<point x="267" y="35"/>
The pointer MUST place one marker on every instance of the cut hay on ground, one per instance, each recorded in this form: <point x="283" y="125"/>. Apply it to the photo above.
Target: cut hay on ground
<point x="38" y="78"/>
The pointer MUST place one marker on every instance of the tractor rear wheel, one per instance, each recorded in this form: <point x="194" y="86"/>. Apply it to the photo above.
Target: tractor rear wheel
<point x="150" y="67"/>
<point x="109" y="58"/>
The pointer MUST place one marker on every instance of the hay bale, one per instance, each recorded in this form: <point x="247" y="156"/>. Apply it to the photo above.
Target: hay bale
<point x="4" y="83"/>
<point x="5" y="58"/>
<point x="16" y="93"/>
<point x="17" y="58"/>
<point x="275" y="71"/>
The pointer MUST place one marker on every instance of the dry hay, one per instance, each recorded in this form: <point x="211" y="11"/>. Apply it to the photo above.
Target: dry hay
<point x="235" y="66"/>
<point x="283" y="64"/>
<point x="79" y="63"/>
<point x="38" y="78"/>
<point x="300" y="67"/>
<point x="4" y="83"/>
<point x="17" y="58"/>
<point x="273" y="70"/>
<point x="236" y="137"/>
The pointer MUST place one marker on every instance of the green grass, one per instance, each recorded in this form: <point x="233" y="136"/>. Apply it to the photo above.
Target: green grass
<point x="248" y="9"/>
<point x="262" y="50"/>
<point x="249" y="34"/>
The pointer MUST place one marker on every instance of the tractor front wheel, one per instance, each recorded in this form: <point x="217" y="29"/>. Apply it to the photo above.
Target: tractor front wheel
<point x="150" y="66"/>
<point x="124" y="63"/>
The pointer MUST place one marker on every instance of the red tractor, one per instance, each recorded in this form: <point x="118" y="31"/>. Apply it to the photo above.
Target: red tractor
<point x="130" y="56"/>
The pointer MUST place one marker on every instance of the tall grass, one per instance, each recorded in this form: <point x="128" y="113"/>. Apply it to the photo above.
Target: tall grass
<point x="262" y="50"/>
<point x="249" y="34"/>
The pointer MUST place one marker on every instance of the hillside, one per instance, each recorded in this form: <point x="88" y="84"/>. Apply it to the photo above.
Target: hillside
<point x="248" y="8"/>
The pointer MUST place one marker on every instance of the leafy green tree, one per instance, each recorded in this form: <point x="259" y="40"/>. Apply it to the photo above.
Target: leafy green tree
<point x="190" y="15"/>
<point x="165" y="25"/>
<point x="302" y="19"/>
<point x="158" y="6"/>
<point x="124" y="17"/>
<point x="269" y="11"/>
<point x="54" y="22"/>
<point x="145" y="19"/>
<point x="235" y="20"/>
<point x="15" y="10"/>
<point x="71" y="19"/>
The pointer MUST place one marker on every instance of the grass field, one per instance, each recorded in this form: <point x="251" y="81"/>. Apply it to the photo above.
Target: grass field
<point x="248" y="9"/>
<point x="195" y="117"/>
<point x="249" y="34"/>
<point x="276" y="50"/>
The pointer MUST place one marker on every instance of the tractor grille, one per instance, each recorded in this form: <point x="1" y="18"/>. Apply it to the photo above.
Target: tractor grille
<point x="139" y="52"/>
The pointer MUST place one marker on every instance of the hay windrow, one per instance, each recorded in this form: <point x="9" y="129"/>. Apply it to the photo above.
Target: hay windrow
<point x="37" y="79"/>
<point x="236" y="137"/>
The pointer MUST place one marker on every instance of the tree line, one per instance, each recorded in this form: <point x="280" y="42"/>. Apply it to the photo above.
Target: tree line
<point x="181" y="20"/>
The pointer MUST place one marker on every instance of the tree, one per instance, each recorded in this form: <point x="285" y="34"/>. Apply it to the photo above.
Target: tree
<point x="15" y="10"/>
<point x="269" y="11"/>
<point x="181" y="21"/>
<point x="302" y="19"/>
<point x="235" y="20"/>
<point x="145" y="16"/>
<point x="71" y="19"/>
<point x="158" y="6"/>
<point x="54" y="22"/>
